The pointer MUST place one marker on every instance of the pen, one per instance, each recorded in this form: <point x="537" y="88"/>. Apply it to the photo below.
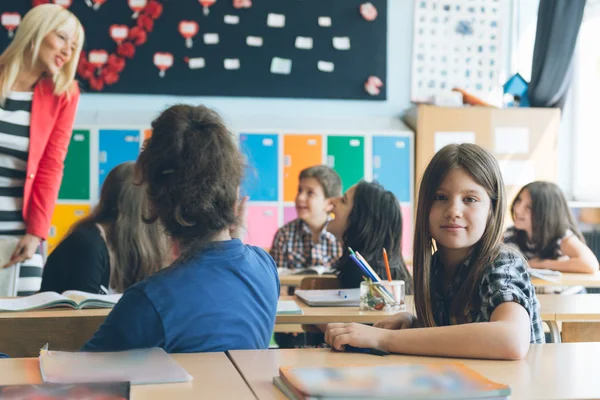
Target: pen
<point x="387" y="265"/>
<point x="104" y="290"/>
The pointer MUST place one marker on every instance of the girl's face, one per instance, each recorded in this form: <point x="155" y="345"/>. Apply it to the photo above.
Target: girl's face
<point x="341" y="208"/>
<point x="459" y="213"/>
<point x="522" y="211"/>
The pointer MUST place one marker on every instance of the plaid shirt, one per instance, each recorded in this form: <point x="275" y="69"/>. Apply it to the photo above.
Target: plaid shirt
<point x="293" y="247"/>
<point x="505" y="280"/>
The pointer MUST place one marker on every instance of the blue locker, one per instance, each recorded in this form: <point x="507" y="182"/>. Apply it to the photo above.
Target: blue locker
<point x="392" y="164"/>
<point x="116" y="147"/>
<point x="261" y="178"/>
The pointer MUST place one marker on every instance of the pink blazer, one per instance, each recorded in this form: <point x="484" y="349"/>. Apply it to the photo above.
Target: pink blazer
<point x="52" y="119"/>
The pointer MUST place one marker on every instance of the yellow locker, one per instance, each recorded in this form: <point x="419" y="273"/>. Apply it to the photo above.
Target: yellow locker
<point x="65" y="215"/>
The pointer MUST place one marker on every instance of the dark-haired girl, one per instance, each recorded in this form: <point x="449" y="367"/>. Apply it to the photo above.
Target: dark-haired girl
<point x="368" y="219"/>
<point x="220" y="294"/>
<point x="545" y="231"/>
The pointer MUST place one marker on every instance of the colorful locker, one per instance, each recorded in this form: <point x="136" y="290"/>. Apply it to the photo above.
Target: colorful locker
<point x="65" y="215"/>
<point x="116" y="147"/>
<point x="299" y="152"/>
<point x="262" y="225"/>
<point x="392" y="165"/>
<point x="346" y="154"/>
<point x="289" y="214"/>
<point x="261" y="177"/>
<point x="76" y="180"/>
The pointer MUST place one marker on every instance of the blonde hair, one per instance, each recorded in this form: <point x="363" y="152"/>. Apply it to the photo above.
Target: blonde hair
<point x="35" y="26"/>
<point x="483" y="168"/>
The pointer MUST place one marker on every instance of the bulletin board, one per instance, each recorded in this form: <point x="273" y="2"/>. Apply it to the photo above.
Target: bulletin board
<point x="292" y="48"/>
<point x="456" y="44"/>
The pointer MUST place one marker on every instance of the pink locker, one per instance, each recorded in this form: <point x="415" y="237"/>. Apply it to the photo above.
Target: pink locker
<point x="263" y="222"/>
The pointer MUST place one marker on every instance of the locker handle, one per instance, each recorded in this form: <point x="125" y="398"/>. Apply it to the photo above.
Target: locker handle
<point x="376" y="161"/>
<point x="102" y="156"/>
<point x="331" y="161"/>
<point x="268" y="213"/>
<point x="53" y="231"/>
<point x="287" y="160"/>
<point x="78" y="137"/>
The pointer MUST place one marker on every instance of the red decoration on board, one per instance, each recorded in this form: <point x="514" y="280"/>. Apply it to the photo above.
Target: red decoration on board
<point x="242" y="3"/>
<point x="163" y="62"/>
<point x="110" y="71"/>
<point x="188" y="29"/>
<point x="368" y="11"/>
<point x="64" y="3"/>
<point x="137" y="6"/>
<point x="10" y="21"/>
<point x="206" y="4"/>
<point x="118" y="32"/>
<point x="373" y="85"/>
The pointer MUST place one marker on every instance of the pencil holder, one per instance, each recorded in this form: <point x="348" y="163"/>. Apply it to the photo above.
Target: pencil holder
<point x="384" y="295"/>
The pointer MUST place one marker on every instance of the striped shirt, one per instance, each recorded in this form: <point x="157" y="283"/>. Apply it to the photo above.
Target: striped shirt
<point x="15" y="119"/>
<point x="293" y="247"/>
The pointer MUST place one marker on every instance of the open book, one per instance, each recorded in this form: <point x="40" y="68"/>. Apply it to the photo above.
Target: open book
<point x="314" y="270"/>
<point x="329" y="297"/>
<point x="71" y="298"/>
<point x="409" y="381"/>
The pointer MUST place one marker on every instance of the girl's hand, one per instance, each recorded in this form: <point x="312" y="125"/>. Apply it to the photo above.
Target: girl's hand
<point x="403" y="320"/>
<point x="536" y="263"/>
<point x="338" y="335"/>
<point x="25" y="249"/>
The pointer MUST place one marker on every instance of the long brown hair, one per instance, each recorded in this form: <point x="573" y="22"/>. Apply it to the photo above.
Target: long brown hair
<point x="550" y="219"/>
<point x="484" y="169"/>
<point x="193" y="169"/>
<point x="139" y="249"/>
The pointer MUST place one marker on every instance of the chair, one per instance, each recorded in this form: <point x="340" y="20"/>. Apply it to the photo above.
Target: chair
<point x="575" y="332"/>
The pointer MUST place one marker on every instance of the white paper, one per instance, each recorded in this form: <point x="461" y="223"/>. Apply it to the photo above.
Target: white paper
<point x="305" y="43"/>
<point x="341" y="43"/>
<point x="232" y="63"/>
<point x="254" y="41"/>
<point x="196" y="63"/>
<point x="276" y="20"/>
<point x="325" y="66"/>
<point x="211" y="38"/>
<point x="517" y="172"/>
<point x="441" y="139"/>
<point x="324" y="21"/>
<point x="281" y="66"/>
<point x="511" y="141"/>
<point x="231" y="19"/>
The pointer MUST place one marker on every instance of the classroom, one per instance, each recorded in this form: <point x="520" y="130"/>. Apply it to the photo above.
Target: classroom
<point x="299" y="199"/>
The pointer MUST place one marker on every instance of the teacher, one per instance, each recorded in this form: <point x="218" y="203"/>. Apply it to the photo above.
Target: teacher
<point x="38" y="101"/>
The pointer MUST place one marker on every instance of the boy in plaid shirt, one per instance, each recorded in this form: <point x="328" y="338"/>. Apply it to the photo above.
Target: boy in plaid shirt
<point x="305" y="242"/>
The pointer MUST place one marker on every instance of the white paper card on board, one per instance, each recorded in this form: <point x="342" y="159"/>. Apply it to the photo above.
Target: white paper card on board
<point x="341" y="43"/>
<point x="231" y="63"/>
<point x="325" y="21"/>
<point x="304" y="43"/>
<point x="276" y="20"/>
<point x="511" y="140"/>
<point x="325" y="66"/>
<point x="196" y="63"/>
<point x="211" y="38"/>
<point x="517" y="172"/>
<point x="441" y="139"/>
<point x="254" y="41"/>
<point x="231" y="19"/>
<point x="281" y="66"/>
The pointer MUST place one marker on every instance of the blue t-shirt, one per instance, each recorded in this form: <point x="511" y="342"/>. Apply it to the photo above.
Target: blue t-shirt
<point x="223" y="299"/>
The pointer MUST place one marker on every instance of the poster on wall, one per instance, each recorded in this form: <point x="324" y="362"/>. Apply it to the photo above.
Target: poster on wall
<point x="456" y="44"/>
<point x="334" y="49"/>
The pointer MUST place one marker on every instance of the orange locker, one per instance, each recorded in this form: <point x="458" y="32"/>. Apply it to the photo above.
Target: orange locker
<point x="299" y="152"/>
<point x="65" y="215"/>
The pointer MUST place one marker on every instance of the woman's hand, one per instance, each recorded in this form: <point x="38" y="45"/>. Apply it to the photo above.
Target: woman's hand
<point x="338" y="335"/>
<point x="25" y="249"/>
<point x="403" y="320"/>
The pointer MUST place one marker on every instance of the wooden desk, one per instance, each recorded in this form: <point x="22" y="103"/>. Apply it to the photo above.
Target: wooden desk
<point x="550" y="371"/>
<point x="296" y="280"/>
<point x="576" y="307"/>
<point x="587" y="280"/>
<point x="23" y="333"/>
<point x="215" y="377"/>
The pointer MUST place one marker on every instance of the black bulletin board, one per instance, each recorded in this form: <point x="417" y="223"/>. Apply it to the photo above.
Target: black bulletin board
<point x="366" y="57"/>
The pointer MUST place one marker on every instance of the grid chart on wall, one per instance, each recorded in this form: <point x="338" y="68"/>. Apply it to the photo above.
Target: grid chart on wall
<point x="456" y="44"/>
<point x="274" y="158"/>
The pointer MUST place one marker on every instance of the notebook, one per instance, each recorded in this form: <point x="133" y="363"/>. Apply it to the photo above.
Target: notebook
<point x="314" y="270"/>
<point x="142" y="366"/>
<point x="71" y="298"/>
<point x="288" y="307"/>
<point x="408" y="381"/>
<point x="330" y="297"/>
<point x="545" y="274"/>
<point x="51" y="391"/>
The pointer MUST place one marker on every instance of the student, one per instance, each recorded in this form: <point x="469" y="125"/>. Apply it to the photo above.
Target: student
<point x="220" y="294"/>
<point x="305" y="242"/>
<point x="473" y="295"/>
<point x="112" y="248"/>
<point x="368" y="219"/>
<point x="546" y="233"/>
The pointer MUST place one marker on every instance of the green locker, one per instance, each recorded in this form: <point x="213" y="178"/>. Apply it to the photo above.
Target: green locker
<point x="76" y="180"/>
<point x="346" y="155"/>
